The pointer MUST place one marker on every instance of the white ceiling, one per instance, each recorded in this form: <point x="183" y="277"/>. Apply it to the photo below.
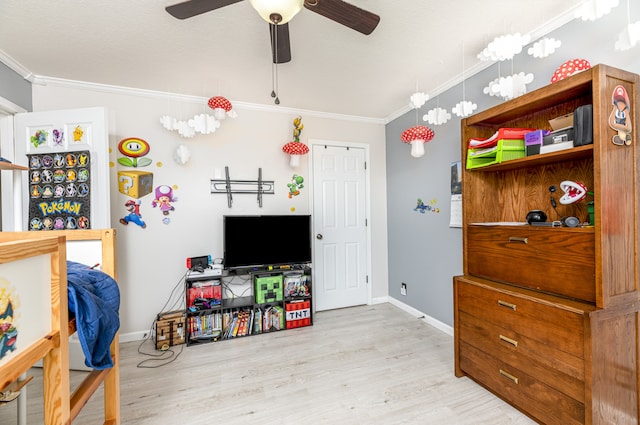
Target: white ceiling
<point x="418" y="45"/>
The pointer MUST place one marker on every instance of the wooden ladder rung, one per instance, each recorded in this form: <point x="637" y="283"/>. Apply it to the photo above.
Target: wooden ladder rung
<point x="85" y="390"/>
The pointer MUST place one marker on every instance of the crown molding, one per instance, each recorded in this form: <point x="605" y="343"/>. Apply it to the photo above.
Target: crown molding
<point x="8" y="107"/>
<point x="130" y="91"/>
<point x="17" y="67"/>
<point x="536" y="34"/>
<point x="25" y="73"/>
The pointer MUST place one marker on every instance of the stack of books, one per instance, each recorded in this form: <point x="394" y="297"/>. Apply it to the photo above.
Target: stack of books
<point x="504" y="145"/>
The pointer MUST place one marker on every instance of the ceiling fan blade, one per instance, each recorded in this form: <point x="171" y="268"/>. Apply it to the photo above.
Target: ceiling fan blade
<point x="190" y="8"/>
<point x="280" y="45"/>
<point x="345" y="13"/>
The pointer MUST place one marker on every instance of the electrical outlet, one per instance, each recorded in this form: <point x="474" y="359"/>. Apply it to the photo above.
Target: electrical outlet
<point x="403" y="288"/>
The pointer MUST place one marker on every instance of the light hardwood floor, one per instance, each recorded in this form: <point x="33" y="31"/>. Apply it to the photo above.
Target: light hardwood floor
<point x="364" y="365"/>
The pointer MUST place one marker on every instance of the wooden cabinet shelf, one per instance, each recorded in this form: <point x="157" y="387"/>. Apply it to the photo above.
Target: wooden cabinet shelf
<point x="576" y="153"/>
<point x="547" y="317"/>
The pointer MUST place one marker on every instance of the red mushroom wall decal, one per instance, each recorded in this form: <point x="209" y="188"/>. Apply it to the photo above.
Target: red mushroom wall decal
<point x="221" y="107"/>
<point x="417" y="136"/>
<point x="296" y="148"/>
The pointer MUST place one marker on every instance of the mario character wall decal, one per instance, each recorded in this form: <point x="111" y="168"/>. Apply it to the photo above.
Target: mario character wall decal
<point x="297" y="183"/>
<point x="134" y="216"/>
<point x="163" y="201"/>
<point x="620" y="118"/>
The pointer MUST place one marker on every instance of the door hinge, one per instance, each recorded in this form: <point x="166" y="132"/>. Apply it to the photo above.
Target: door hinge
<point x="366" y="222"/>
<point x="366" y="278"/>
<point x="365" y="165"/>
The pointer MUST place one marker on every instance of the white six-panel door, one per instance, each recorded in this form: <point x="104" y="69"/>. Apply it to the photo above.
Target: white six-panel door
<point x="339" y="221"/>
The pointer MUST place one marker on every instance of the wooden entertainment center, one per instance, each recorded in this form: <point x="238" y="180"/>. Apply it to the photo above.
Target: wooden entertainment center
<point x="548" y="318"/>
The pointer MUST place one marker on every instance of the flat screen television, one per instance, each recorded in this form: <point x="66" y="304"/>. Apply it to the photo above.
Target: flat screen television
<point x="256" y="241"/>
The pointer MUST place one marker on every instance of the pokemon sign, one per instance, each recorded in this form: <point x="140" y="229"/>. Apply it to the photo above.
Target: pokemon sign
<point x="59" y="191"/>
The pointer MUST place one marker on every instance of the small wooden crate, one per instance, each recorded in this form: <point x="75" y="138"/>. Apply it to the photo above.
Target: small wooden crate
<point x="170" y="329"/>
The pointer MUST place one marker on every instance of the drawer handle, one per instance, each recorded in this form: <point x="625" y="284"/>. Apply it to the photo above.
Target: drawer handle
<point x="507" y="305"/>
<point x="518" y="239"/>
<point x="509" y="376"/>
<point x="509" y="340"/>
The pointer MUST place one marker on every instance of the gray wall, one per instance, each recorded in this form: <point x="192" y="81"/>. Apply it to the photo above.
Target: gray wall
<point x="15" y="88"/>
<point x="424" y="252"/>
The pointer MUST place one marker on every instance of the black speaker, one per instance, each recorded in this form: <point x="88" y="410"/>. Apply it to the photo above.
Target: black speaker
<point x="536" y="216"/>
<point x="570" y="221"/>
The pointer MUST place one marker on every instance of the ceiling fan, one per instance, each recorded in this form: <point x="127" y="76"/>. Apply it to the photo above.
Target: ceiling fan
<point x="278" y="13"/>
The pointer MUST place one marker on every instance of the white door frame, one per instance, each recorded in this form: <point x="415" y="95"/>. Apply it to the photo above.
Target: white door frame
<point x="11" y="188"/>
<point x="366" y="147"/>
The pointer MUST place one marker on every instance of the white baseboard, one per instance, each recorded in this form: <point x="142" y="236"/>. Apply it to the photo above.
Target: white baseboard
<point x="417" y="313"/>
<point x="443" y="327"/>
<point x="135" y="336"/>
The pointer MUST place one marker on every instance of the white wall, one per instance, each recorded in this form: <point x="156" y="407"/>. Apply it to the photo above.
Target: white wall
<point x="152" y="260"/>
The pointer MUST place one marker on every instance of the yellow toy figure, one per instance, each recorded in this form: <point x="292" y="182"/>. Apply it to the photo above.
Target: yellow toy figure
<point x="297" y="128"/>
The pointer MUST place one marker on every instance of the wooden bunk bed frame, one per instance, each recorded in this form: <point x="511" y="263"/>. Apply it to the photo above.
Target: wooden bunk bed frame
<point x="61" y="406"/>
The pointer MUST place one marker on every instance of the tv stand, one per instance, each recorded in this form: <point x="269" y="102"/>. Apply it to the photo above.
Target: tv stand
<point x="244" y="302"/>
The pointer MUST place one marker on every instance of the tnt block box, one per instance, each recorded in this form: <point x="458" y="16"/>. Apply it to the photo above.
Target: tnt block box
<point x="268" y="289"/>
<point x="298" y="314"/>
<point x="170" y="329"/>
<point x="135" y="184"/>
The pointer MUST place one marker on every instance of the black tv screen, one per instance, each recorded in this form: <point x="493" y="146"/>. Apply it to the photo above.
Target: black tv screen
<point x="266" y="240"/>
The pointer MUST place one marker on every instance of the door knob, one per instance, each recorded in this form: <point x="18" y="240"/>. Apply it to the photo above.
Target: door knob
<point x="319" y="236"/>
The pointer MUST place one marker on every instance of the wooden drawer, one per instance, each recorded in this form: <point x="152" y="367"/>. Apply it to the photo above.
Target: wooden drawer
<point x="554" y="260"/>
<point x="553" y="325"/>
<point x="521" y="389"/>
<point x="549" y="365"/>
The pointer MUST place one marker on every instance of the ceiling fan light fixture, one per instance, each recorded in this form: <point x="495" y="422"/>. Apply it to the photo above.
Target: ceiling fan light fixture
<point x="277" y="12"/>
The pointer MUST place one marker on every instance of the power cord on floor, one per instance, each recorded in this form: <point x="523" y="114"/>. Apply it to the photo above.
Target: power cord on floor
<point x="167" y="354"/>
<point x="164" y="357"/>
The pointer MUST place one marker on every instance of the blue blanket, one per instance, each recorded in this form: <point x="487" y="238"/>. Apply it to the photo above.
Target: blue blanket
<point x="94" y="298"/>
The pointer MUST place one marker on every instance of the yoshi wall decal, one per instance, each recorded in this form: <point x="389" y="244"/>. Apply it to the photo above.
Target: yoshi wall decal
<point x="297" y="183"/>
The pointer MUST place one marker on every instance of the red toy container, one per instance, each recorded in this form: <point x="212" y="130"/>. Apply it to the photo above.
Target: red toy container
<point x="298" y="314"/>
